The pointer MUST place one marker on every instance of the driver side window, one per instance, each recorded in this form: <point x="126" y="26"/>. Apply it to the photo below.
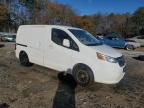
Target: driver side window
<point x="59" y="35"/>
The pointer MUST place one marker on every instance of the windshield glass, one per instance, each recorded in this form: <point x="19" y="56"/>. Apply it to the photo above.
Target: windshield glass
<point x="85" y="37"/>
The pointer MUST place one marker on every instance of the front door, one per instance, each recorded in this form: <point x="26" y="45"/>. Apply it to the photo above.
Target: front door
<point x="57" y="55"/>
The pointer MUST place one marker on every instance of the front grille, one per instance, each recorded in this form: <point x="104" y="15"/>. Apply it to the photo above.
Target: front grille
<point x="121" y="61"/>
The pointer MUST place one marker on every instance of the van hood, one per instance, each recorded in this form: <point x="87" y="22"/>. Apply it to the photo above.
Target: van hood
<point x="107" y="50"/>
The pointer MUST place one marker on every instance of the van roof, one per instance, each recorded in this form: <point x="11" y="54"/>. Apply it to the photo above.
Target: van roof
<point x="54" y="26"/>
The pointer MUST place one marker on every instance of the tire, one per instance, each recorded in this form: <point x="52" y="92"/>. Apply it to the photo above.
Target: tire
<point x="129" y="47"/>
<point x="83" y="75"/>
<point x="24" y="60"/>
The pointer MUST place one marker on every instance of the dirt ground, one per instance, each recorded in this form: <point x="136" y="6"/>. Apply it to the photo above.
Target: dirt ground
<point x="39" y="87"/>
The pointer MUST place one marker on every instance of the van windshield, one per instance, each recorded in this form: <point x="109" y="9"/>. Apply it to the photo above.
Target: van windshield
<point x="85" y="37"/>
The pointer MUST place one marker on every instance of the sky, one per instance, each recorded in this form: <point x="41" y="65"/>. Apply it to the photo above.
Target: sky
<point x="88" y="7"/>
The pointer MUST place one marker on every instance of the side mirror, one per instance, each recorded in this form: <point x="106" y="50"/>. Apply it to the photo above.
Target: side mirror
<point x="66" y="43"/>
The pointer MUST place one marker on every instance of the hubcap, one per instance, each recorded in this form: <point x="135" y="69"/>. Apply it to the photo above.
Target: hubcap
<point x="82" y="77"/>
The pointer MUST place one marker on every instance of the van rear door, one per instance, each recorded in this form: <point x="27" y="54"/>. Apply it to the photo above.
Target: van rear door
<point x="36" y="39"/>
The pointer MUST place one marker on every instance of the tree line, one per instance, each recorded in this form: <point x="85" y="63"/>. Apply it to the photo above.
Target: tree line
<point x="14" y="13"/>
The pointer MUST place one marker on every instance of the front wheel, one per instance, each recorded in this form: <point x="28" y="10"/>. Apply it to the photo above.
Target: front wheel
<point x="83" y="75"/>
<point x="129" y="47"/>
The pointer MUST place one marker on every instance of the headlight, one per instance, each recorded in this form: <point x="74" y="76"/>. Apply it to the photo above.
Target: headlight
<point x="106" y="58"/>
<point x="110" y="59"/>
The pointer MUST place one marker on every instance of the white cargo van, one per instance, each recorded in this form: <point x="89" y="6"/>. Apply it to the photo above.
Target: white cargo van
<point x="69" y="49"/>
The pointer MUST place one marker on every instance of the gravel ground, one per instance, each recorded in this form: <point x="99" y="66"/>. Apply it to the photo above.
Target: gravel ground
<point x="39" y="87"/>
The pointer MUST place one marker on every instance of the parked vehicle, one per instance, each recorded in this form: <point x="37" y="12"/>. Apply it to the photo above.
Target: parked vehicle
<point x="8" y="37"/>
<point x="1" y="35"/>
<point x="0" y="38"/>
<point x="116" y="40"/>
<point x="69" y="49"/>
<point x="138" y="39"/>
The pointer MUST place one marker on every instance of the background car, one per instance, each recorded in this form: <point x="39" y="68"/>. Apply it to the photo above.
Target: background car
<point x="116" y="40"/>
<point x="8" y="37"/>
<point x="139" y="39"/>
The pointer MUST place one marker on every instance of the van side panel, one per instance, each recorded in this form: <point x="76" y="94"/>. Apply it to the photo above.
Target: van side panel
<point x="31" y="39"/>
<point x="56" y="56"/>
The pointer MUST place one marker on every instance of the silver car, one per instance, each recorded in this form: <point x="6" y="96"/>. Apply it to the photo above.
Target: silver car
<point x="138" y="39"/>
<point x="8" y="37"/>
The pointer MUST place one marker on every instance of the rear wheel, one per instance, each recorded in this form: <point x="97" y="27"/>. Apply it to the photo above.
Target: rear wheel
<point x="129" y="47"/>
<point x="24" y="60"/>
<point x="83" y="75"/>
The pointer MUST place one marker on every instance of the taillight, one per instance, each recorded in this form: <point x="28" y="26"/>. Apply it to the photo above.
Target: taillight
<point x="14" y="46"/>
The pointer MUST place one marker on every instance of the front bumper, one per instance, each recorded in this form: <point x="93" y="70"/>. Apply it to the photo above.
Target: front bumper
<point x="115" y="80"/>
<point x="110" y="73"/>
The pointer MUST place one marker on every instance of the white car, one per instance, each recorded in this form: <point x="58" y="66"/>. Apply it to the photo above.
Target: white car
<point x="69" y="49"/>
<point x="138" y="39"/>
<point x="134" y="44"/>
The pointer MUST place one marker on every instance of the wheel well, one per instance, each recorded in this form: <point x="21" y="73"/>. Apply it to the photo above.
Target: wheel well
<point x="88" y="70"/>
<point x="26" y="61"/>
<point x="22" y="52"/>
<point x="81" y="64"/>
<point x="128" y="44"/>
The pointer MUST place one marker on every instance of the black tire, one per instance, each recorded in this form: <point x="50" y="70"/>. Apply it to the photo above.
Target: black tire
<point x="83" y="75"/>
<point x="129" y="47"/>
<point x="24" y="60"/>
